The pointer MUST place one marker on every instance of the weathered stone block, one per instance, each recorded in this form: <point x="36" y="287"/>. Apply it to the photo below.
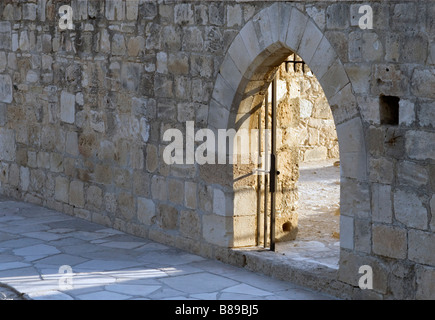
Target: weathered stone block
<point x="29" y="11"/>
<point x="168" y="217"/>
<point x="201" y="90"/>
<point x="231" y="76"/>
<point x="411" y="48"/>
<point x="369" y="109"/>
<point x="56" y="162"/>
<point x="122" y="178"/>
<point x="405" y="17"/>
<point x="163" y="86"/>
<point x="219" y="202"/>
<point x="389" y="79"/>
<point x="366" y="46"/>
<point x="381" y="170"/>
<point x="363" y="232"/>
<point x="239" y="56"/>
<point x="194" y="40"/>
<point x="151" y="158"/>
<point x="201" y="65"/>
<point x="110" y="202"/>
<point x="352" y="149"/>
<point x="115" y="10"/>
<point x="420" y="145"/>
<point x="409" y="210"/>
<point x="389" y="241"/>
<point x="316" y="154"/>
<point x="432" y="210"/>
<point x="423" y="82"/>
<point x="347" y="231"/>
<point x="141" y="183"/>
<point x="131" y="76"/>
<point x="337" y="16"/>
<point x="14" y="177"/>
<point x="3" y="61"/>
<point x="6" y="92"/>
<point x="323" y="58"/>
<point x="350" y="274"/>
<point x="159" y="188"/>
<point x="318" y="14"/>
<point x="216" y="14"/>
<point x="218" y="115"/>
<point x="67" y="107"/>
<point x="426" y="114"/>
<point x="425" y="281"/>
<point x="76" y="194"/>
<point x="183" y="14"/>
<point x="7" y="143"/>
<point x="190" y="193"/>
<point x="146" y="211"/>
<point x="215" y="229"/>
<point x="250" y="40"/>
<point x="245" y="202"/>
<point x="103" y="174"/>
<point x="310" y="41"/>
<point x="381" y="201"/>
<point x="5" y="35"/>
<point x="234" y="15"/>
<point x="80" y="8"/>
<point x="135" y="46"/>
<point x="243" y="231"/>
<point x="132" y="7"/>
<point x="295" y="29"/>
<point x="176" y="191"/>
<point x="412" y="174"/>
<point x="126" y="206"/>
<point x="94" y="197"/>
<point x="340" y="79"/>
<point x="178" y="63"/>
<point x="190" y="224"/>
<point x="223" y="92"/>
<point x="421" y="247"/>
<point x="406" y="112"/>
<point x="11" y="12"/>
<point x="72" y="144"/>
<point x="118" y="45"/>
<point x="24" y="178"/>
<point x="162" y="62"/>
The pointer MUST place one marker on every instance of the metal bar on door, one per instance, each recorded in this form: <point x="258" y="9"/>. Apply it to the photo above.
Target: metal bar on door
<point x="259" y="181"/>
<point x="273" y="167"/>
<point x="266" y="166"/>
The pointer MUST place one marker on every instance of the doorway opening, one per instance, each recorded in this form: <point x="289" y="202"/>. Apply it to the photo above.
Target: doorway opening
<point x="307" y="208"/>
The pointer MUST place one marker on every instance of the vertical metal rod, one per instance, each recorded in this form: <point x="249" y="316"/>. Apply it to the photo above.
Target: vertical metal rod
<point x="273" y="169"/>
<point x="259" y="181"/>
<point x="266" y="165"/>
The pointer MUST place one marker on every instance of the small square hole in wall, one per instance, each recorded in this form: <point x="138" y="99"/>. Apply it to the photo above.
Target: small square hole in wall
<point x="389" y="110"/>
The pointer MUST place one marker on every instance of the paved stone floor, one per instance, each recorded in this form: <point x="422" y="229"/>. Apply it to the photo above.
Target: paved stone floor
<point x="46" y="255"/>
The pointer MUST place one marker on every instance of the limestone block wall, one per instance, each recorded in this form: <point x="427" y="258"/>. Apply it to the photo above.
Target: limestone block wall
<point x="315" y="131"/>
<point x="83" y="113"/>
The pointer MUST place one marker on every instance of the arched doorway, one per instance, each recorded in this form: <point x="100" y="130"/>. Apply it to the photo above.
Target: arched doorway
<point x="245" y="74"/>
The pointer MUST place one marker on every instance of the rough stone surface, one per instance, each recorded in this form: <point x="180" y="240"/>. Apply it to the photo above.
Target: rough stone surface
<point x="410" y="210"/>
<point x="389" y="241"/>
<point x="6" y="94"/>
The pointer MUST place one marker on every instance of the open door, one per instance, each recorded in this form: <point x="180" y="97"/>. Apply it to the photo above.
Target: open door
<point x="269" y="171"/>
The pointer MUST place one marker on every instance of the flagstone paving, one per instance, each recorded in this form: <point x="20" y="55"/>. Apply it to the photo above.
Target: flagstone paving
<point x="48" y="255"/>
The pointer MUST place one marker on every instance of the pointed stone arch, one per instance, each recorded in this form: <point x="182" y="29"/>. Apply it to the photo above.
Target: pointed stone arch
<point x="247" y="69"/>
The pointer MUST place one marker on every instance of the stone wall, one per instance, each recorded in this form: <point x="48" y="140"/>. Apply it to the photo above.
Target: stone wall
<point x="83" y="113"/>
<point x="315" y="131"/>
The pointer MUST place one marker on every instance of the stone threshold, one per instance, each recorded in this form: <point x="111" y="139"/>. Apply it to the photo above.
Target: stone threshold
<point x="310" y="274"/>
